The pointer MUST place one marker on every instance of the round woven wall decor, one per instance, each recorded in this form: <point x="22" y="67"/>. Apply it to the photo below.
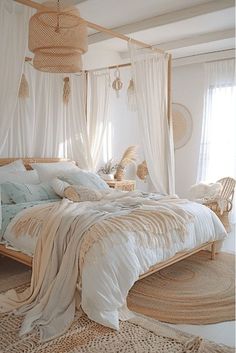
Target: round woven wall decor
<point x="182" y="125"/>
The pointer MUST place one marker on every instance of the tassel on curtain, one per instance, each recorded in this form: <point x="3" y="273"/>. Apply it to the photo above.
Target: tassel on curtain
<point x="24" y="88"/>
<point x="132" y="105"/>
<point x="66" y="90"/>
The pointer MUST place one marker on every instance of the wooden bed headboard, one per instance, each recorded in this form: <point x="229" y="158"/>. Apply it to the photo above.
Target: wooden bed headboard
<point x="27" y="161"/>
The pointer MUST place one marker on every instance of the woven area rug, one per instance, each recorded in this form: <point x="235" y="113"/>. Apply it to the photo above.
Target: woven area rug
<point x="196" y="290"/>
<point x="139" y="335"/>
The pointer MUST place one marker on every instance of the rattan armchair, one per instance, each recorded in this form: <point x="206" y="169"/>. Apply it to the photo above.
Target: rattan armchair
<point x="223" y="204"/>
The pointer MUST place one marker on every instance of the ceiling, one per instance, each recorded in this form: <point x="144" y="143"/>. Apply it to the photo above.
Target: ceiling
<point x="181" y="27"/>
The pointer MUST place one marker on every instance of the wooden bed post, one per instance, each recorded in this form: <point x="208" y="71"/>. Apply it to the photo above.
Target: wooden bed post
<point x="213" y="250"/>
<point x="169" y="91"/>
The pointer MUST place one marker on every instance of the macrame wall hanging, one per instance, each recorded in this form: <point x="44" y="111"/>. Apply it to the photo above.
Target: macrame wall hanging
<point x="24" y="88"/>
<point x="132" y="103"/>
<point x="117" y="84"/>
<point x="142" y="171"/>
<point x="66" y="90"/>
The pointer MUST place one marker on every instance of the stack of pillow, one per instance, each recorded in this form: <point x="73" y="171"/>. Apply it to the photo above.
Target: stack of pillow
<point x="47" y="181"/>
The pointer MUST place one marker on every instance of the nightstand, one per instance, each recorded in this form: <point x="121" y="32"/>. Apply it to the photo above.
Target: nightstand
<point x="125" y="185"/>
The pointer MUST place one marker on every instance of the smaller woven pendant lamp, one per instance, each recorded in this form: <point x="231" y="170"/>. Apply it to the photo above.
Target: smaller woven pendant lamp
<point x="57" y="39"/>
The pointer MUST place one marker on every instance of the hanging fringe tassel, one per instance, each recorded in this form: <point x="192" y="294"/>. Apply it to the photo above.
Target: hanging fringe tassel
<point x="24" y="88"/>
<point x="66" y="90"/>
<point x="132" y="104"/>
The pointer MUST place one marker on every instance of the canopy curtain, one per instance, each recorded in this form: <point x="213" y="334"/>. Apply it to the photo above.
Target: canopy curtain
<point x="150" y="74"/>
<point x="14" y="20"/>
<point x="217" y="157"/>
<point x="98" y="94"/>
<point x="44" y="126"/>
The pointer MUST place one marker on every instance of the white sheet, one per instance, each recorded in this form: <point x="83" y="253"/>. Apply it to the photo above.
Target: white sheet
<point x="111" y="269"/>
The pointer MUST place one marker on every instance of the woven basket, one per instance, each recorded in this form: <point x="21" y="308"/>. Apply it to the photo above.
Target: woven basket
<point x="119" y="173"/>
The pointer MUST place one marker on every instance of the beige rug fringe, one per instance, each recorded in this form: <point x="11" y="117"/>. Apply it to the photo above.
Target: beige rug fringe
<point x="191" y="344"/>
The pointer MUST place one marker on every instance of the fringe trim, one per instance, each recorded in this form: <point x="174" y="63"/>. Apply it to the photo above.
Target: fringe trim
<point x="66" y="90"/>
<point x="190" y="343"/>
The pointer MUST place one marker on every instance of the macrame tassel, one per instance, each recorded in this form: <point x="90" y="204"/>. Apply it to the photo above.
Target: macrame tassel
<point x="132" y="104"/>
<point x="66" y="90"/>
<point x="24" y="88"/>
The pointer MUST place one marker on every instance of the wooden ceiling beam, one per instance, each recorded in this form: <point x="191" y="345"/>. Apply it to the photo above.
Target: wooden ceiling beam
<point x="166" y="18"/>
<point x="99" y="28"/>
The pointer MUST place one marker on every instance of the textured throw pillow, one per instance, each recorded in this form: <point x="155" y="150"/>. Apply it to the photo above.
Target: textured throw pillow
<point x="86" y="179"/>
<point x="15" y="166"/>
<point x="48" y="171"/>
<point x="22" y="177"/>
<point x="77" y="193"/>
<point x="19" y="193"/>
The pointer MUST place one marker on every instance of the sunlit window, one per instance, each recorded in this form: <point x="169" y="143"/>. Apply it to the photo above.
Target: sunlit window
<point x="220" y="149"/>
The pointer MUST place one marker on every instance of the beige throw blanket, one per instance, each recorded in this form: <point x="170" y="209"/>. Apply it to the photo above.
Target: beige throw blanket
<point x="66" y="232"/>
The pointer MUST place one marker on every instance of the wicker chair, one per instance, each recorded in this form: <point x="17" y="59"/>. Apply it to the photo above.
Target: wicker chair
<point x="224" y="202"/>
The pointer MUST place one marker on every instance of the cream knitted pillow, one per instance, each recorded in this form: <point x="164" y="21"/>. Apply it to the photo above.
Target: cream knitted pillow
<point x="77" y="193"/>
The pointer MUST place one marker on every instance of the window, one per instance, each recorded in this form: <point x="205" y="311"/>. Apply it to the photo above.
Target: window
<point x="220" y="149"/>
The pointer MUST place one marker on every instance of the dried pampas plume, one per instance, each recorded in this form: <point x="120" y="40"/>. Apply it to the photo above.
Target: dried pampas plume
<point x="128" y="157"/>
<point x="24" y="88"/>
<point x="66" y="90"/>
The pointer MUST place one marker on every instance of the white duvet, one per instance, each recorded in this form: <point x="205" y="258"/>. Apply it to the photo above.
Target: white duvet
<point x="110" y="269"/>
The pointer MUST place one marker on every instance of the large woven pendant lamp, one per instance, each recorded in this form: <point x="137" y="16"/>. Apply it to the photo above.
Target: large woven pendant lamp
<point x="57" y="39"/>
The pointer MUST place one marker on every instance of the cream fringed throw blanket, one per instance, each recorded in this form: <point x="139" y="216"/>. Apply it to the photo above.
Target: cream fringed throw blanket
<point x="66" y="231"/>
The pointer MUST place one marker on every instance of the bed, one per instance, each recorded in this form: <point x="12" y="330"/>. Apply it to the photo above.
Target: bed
<point x="110" y="271"/>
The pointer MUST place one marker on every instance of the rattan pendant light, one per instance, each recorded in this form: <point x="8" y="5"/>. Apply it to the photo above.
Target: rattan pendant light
<point x="57" y="39"/>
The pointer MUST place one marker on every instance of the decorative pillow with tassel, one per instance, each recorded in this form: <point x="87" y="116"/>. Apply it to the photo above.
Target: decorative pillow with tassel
<point x="77" y="193"/>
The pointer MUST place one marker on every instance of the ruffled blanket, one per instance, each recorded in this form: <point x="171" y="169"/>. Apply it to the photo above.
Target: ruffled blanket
<point x="66" y="231"/>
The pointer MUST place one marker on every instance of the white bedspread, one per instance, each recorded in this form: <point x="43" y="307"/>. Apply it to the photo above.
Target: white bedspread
<point x="110" y="271"/>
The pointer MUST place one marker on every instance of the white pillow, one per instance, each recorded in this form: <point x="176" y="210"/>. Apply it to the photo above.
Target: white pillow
<point x="48" y="171"/>
<point x="26" y="177"/>
<point x="15" y="166"/>
<point x="59" y="186"/>
<point x="22" y="177"/>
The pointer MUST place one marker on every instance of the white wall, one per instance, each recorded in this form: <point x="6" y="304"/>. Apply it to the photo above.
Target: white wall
<point x="188" y="89"/>
<point x="123" y="131"/>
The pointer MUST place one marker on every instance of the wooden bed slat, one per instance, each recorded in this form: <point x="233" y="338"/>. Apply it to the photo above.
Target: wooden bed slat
<point x="27" y="260"/>
<point x="16" y="255"/>
<point x="28" y="161"/>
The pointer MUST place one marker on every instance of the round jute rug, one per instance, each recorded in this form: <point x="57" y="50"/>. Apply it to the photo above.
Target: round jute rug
<point x="196" y="290"/>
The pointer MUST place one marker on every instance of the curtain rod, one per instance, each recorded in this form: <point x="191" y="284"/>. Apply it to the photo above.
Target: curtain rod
<point x="95" y="26"/>
<point x="28" y="61"/>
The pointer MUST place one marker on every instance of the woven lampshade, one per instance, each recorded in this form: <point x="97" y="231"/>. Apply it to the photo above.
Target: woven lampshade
<point x="57" y="39"/>
<point x="64" y="63"/>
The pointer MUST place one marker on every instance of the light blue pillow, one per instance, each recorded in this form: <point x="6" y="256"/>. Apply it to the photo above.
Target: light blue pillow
<point x="19" y="193"/>
<point x="86" y="179"/>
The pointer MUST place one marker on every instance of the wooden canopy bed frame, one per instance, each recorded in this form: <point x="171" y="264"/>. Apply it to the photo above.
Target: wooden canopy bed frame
<point x="27" y="260"/>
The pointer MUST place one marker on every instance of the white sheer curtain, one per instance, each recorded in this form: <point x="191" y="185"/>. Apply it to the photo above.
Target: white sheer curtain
<point x="217" y="157"/>
<point x="150" y="71"/>
<point x="98" y="94"/>
<point x="218" y="143"/>
<point x="14" y="20"/>
<point x="44" y="126"/>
